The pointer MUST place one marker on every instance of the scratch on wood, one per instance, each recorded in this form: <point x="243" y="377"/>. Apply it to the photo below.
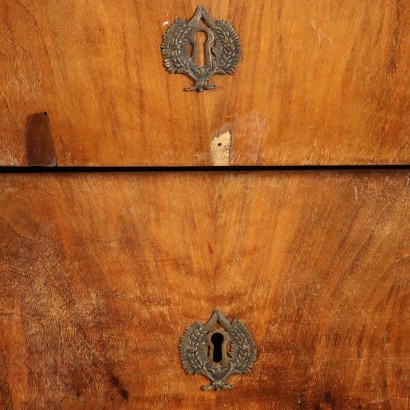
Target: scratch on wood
<point x="221" y="149"/>
<point x="320" y="33"/>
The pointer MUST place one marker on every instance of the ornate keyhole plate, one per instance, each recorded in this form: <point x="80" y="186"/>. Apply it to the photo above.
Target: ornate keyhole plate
<point x="217" y="350"/>
<point x="221" y="51"/>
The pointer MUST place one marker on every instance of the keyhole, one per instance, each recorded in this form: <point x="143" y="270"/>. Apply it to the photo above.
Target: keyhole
<point x="217" y="340"/>
<point x="200" y="38"/>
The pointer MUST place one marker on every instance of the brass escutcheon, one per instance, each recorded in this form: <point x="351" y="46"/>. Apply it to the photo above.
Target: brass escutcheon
<point x="217" y="350"/>
<point x="221" y="51"/>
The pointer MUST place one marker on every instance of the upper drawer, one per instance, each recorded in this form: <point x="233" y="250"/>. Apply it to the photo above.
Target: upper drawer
<point x="320" y="82"/>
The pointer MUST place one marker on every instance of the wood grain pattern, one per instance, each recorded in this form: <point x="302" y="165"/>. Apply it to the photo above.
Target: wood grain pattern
<point x="321" y="82"/>
<point x="101" y="273"/>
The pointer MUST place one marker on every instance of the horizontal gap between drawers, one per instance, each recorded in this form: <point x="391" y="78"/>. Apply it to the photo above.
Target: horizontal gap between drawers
<point x="35" y="170"/>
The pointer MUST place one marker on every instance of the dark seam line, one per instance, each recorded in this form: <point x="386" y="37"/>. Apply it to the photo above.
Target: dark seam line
<point x="57" y="170"/>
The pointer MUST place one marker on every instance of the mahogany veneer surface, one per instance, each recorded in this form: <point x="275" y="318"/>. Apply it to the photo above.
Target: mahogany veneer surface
<point x="101" y="273"/>
<point x="320" y="82"/>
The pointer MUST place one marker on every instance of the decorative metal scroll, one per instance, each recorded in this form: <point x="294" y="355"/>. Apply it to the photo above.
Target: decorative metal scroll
<point x="183" y="53"/>
<point x="217" y="350"/>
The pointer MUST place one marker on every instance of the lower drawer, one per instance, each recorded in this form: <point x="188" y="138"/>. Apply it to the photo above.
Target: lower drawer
<point x="101" y="273"/>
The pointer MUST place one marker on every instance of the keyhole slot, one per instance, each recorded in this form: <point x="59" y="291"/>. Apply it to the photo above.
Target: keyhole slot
<point x="217" y="340"/>
<point x="201" y="39"/>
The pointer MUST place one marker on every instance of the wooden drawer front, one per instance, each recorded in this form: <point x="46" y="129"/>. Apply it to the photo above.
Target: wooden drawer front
<point x="101" y="273"/>
<point x="320" y="82"/>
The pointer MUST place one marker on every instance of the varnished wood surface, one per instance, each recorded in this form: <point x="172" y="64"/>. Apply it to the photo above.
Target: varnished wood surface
<point x="101" y="273"/>
<point x="321" y="82"/>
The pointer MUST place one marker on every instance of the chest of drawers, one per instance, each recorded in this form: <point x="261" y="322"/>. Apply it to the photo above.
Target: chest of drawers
<point x="130" y="208"/>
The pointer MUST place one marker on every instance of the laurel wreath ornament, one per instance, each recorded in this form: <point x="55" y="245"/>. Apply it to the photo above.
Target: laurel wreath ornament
<point x="243" y="350"/>
<point x="175" y="47"/>
<point x="192" y="350"/>
<point x="227" y="49"/>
